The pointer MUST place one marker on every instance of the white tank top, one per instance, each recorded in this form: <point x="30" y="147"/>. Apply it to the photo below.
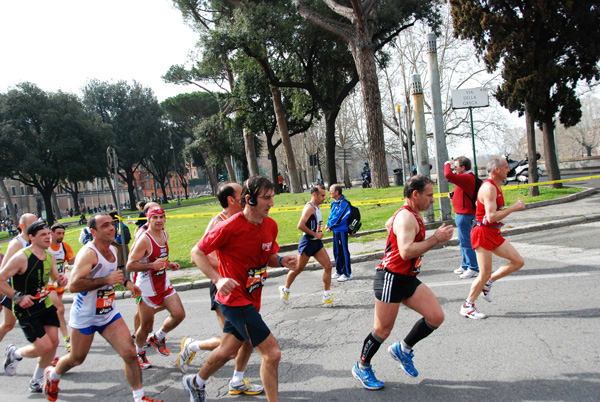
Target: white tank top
<point x="95" y="307"/>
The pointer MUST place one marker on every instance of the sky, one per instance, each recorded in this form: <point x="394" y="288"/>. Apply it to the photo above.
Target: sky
<point x="62" y="44"/>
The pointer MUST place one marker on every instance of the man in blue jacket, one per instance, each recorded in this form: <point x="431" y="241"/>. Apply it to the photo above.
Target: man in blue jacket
<point x="338" y="224"/>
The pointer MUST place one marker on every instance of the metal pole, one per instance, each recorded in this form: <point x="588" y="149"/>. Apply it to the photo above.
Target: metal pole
<point x="473" y="139"/>
<point x="441" y="151"/>
<point x="421" y="136"/>
<point x="401" y="142"/>
<point x="409" y="141"/>
<point x="112" y="156"/>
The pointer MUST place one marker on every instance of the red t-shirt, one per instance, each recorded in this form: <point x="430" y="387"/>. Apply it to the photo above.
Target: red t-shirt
<point x="244" y="250"/>
<point x="392" y="259"/>
<point x="465" y="182"/>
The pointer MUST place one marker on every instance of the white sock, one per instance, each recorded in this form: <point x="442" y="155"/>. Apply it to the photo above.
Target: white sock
<point x="138" y="349"/>
<point x="38" y="373"/>
<point x="160" y="335"/>
<point x="18" y="354"/>
<point x="238" y="377"/>
<point x="138" y="394"/>
<point x="405" y="347"/>
<point x="286" y="290"/>
<point x="468" y="303"/>
<point x="327" y="293"/>
<point x="194" y="347"/>
<point x="53" y="375"/>
<point x="199" y="382"/>
<point x="489" y="282"/>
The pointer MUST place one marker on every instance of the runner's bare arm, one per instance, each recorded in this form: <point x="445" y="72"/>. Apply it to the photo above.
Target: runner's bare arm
<point x="289" y="261"/>
<point x="80" y="282"/>
<point x="488" y="195"/>
<point x="141" y="248"/>
<point x="55" y="276"/>
<point x="17" y="264"/>
<point x="406" y="228"/>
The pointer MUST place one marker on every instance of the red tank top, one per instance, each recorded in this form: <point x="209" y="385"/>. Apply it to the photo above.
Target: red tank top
<point x="392" y="260"/>
<point x="480" y="210"/>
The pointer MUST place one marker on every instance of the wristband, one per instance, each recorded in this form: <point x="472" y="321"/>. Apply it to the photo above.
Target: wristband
<point x="125" y="283"/>
<point x="18" y="297"/>
<point x="279" y="261"/>
<point x="436" y="239"/>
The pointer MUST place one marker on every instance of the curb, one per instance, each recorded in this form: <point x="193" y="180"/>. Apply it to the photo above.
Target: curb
<point x="377" y="255"/>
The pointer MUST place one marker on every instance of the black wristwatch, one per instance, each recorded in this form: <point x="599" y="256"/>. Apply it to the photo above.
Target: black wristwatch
<point x="18" y="297"/>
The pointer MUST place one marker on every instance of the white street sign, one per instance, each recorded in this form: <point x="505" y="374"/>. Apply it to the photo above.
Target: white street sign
<point x="473" y="97"/>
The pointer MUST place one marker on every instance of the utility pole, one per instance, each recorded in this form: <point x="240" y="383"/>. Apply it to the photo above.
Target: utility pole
<point x="421" y="136"/>
<point x="441" y="151"/>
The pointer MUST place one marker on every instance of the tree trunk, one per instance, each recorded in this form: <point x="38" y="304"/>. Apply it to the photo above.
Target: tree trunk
<point x="550" y="152"/>
<point x="11" y="206"/>
<point x="364" y="58"/>
<point x="75" y="196"/>
<point x="347" y="181"/>
<point x="47" y="197"/>
<point x="130" y="189"/>
<point x="212" y="178"/>
<point x="273" y="158"/>
<point x="534" y="191"/>
<point x="285" y="139"/>
<point x="230" y="169"/>
<point x="55" y="207"/>
<point x="163" y="188"/>
<point x="112" y="191"/>
<point x="330" y="118"/>
<point x="250" y="148"/>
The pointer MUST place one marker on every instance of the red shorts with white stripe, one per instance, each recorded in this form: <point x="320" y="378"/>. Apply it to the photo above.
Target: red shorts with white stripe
<point x="156" y="301"/>
<point x="486" y="237"/>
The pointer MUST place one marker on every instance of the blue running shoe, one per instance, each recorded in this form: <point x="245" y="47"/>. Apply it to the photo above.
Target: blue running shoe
<point x="404" y="358"/>
<point x="367" y="377"/>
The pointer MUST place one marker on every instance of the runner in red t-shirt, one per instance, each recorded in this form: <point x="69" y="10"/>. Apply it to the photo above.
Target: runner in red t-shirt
<point x="396" y="282"/>
<point x="486" y="237"/>
<point x="246" y="243"/>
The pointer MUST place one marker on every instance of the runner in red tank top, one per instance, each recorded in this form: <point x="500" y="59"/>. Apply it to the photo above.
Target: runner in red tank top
<point x="396" y="282"/>
<point x="149" y="258"/>
<point x="486" y="237"/>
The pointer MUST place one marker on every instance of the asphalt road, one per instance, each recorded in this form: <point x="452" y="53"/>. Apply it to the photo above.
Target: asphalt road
<point x="540" y="342"/>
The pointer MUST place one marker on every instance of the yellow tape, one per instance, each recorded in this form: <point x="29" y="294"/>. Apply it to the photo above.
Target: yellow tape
<point x="375" y="202"/>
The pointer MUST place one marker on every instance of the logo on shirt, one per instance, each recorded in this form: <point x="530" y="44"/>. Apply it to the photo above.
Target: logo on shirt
<point x="267" y="246"/>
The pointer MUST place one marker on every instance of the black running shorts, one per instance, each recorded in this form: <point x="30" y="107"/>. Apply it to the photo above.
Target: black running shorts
<point x="393" y="288"/>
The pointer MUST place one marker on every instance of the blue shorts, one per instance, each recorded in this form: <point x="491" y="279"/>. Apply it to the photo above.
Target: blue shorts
<point x="309" y="247"/>
<point x="98" y="328"/>
<point x="245" y="323"/>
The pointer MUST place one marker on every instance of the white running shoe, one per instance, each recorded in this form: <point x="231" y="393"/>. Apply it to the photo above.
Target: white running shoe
<point x="185" y="355"/>
<point x="486" y="292"/>
<point x="10" y="362"/>
<point x="335" y="275"/>
<point x="344" y="278"/>
<point x="469" y="273"/>
<point x="471" y="312"/>
<point x="283" y="295"/>
<point x="459" y="271"/>
<point x="331" y="299"/>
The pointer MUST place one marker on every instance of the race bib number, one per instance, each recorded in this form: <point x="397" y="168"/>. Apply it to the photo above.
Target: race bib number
<point x="417" y="266"/>
<point x="256" y="278"/>
<point x="320" y="227"/>
<point x="162" y="271"/>
<point x="60" y="267"/>
<point x="104" y="302"/>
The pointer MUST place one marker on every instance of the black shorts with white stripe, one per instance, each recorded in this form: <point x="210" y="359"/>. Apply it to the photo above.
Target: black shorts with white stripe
<point x="390" y="287"/>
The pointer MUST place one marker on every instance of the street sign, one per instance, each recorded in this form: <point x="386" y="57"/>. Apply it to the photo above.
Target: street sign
<point x="468" y="98"/>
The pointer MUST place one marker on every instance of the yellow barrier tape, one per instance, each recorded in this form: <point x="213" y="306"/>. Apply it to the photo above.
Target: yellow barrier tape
<point x="373" y="202"/>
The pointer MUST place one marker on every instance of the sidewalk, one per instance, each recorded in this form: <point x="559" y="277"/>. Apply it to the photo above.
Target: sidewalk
<point x="570" y="210"/>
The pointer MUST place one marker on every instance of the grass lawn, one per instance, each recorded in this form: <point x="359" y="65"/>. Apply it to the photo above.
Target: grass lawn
<point x="184" y="232"/>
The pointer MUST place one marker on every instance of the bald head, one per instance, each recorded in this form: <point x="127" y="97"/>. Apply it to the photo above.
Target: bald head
<point x="25" y="221"/>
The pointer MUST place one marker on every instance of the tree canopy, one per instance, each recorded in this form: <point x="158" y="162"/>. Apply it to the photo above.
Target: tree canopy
<point x="544" y="47"/>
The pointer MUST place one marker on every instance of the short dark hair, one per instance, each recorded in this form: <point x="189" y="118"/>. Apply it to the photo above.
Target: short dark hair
<point x="36" y="227"/>
<point x="417" y="182"/>
<point x="337" y="188"/>
<point x="254" y="185"/>
<point x="92" y="219"/>
<point x="141" y="204"/>
<point x="315" y="189"/>
<point x="224" y="192"/>
<point x="57" y="226"/>
<point x="464" y="162"/>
